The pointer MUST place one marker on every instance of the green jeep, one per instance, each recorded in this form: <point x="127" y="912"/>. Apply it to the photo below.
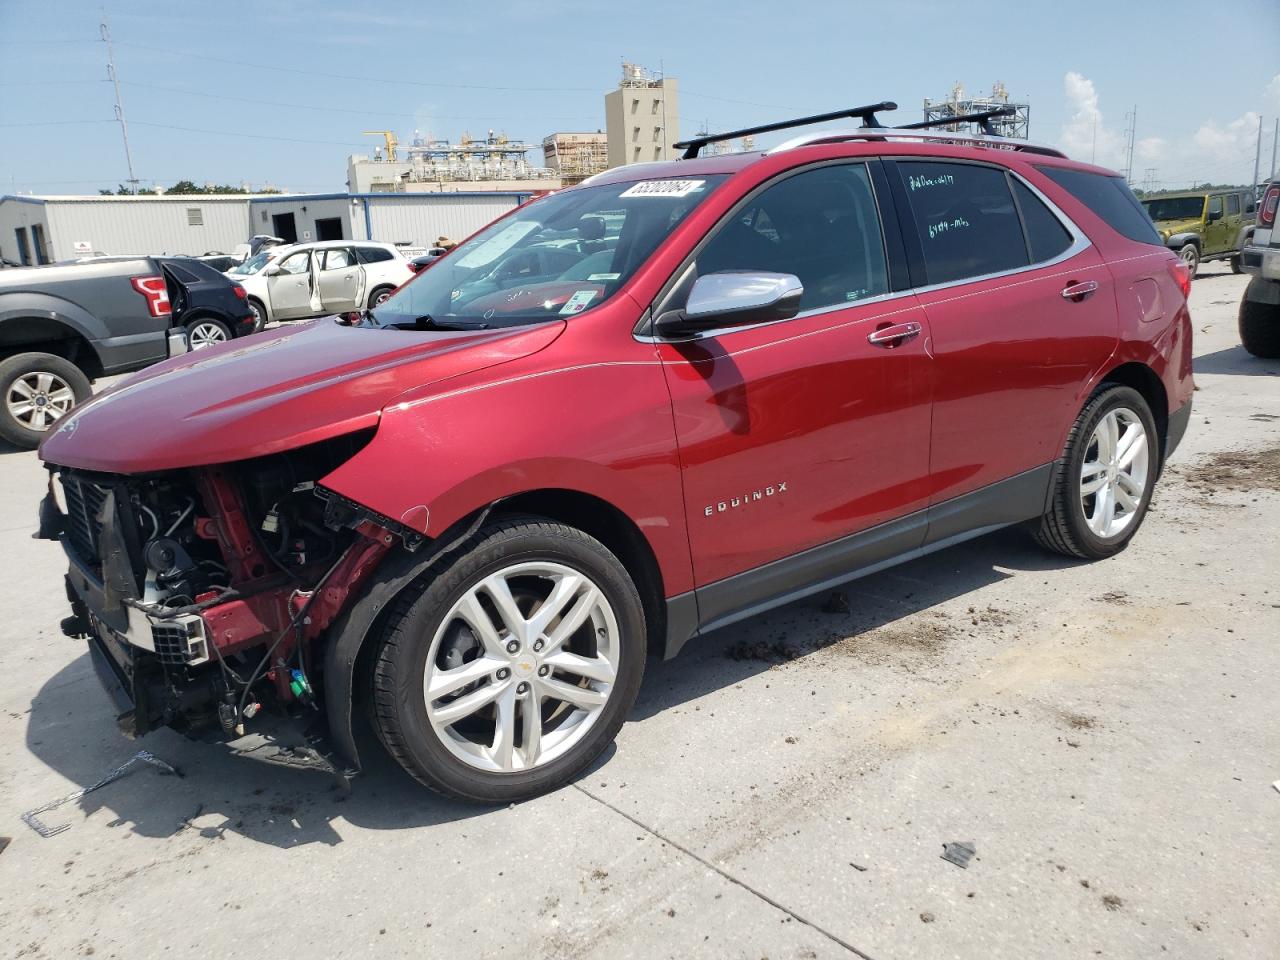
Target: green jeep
<point x="1204" y="224"/>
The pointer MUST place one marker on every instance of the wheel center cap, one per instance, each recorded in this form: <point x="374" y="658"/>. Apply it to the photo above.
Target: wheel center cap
<point x="524" y="667"/>
<point x="41" y="399"/>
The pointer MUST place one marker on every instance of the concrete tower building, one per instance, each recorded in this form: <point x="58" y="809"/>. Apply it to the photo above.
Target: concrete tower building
<point x="642" y="117"/>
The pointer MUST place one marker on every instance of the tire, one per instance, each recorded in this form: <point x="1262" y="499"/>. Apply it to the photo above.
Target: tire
<point x="379" y="295"/>
<point x="1089" y="526"/>
<point x="454" y="745"/>
<point x="259" y="315"/>
<point x="1190" y="255"/>
<point x="1235" y="264"/>
<point x="1260" y="328"/>
<point x="205" y="332"/>
<point x="37" y="390"/>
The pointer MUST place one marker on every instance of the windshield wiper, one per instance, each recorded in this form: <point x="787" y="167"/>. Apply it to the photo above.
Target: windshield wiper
<point x="428" y="322"/>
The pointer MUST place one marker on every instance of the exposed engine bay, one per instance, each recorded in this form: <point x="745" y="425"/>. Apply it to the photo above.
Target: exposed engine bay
<point x="203" y="591"/>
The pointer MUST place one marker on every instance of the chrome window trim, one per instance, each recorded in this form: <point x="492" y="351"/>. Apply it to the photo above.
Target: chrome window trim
<point x="1079" y="243"/>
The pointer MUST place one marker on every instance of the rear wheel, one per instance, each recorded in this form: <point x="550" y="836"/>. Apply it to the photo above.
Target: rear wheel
<point x="380" y="295"/>
<point x="1235" y="264"/>
<point x="1105" y="477"/>
<point x="259" y="315"/>
<point x="1190" y="255"/>
<point x="1260" y="328"/>
<point x="506" y="669"/>
<point x="38" y="389"/>
<point x="207" y="332"/>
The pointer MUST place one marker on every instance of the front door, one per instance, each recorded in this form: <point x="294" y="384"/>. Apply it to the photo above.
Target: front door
<point x="799" y="433"/>
<point x="1216" y="227"/>
<point x="1022" y="314"/>
<point x="341" y="280"/>
<point x="293" y="291"/>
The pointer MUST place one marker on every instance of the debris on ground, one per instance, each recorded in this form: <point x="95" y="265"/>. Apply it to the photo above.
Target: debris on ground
<point x="959" y="853"/>
<point x="4" y="843"/>
<point x="32" y="817"/>
<point x="1112" y="902"/>
<point x="1237" y="470"/>
<point x="926" y="917"/>
<point x="1114" y="596"/>
<point x="857" y="866"/>
<point x="776" y="651"/>
<point x="837" y="602"/>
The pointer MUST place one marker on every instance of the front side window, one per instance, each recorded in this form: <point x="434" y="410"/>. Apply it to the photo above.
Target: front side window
<point x="965" y="218"/>
<point x="555" y="257"/>
<point x="821" y="225"/>
<point x="296" y="263"/>
<point x="1215" y="206"/>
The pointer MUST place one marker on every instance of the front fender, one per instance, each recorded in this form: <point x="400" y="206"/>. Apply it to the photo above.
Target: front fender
<point x="1178" y="240"/>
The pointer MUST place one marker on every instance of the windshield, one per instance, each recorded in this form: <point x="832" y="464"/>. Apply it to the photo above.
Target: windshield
<point x="1174" y="208"/>
<point x="253" y="264"/>
<point x="556" y="257"/>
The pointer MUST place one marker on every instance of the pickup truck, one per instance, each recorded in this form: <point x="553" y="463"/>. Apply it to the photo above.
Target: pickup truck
<point x="1204" y="225"/>
<point x="63" y="326"/>
<point x="1260" y="307"/>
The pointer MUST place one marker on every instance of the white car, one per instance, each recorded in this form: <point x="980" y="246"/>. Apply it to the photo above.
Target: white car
<point x="301" y="280"/>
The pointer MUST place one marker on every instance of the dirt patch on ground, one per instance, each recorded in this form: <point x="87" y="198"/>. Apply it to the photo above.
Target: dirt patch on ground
<point x="1240" y="471"/>
<point x="920" y="637"/>
<point x="1079" y="721"/>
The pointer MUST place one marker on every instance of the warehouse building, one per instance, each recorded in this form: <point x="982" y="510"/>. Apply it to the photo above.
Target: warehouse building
<point x="36" y="230"/>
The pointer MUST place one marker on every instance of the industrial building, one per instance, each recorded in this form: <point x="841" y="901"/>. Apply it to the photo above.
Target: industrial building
<point x="575" y="156"/>
<point x="642" y="117"/>
<point x="957" y="105"/>
<point x="441" y="166"/>
<point x="47" y="229"/>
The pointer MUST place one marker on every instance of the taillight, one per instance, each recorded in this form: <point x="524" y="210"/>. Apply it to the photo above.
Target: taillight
<point x="1181" y="274"/>
<point x="239" y="291"/>
<point x="1267" y="211"/>
<point x="157" y="293"/>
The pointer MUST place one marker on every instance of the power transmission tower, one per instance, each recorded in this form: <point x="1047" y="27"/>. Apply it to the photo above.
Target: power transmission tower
<point x="115" y="80"/>
<point x="1131" y="125"/>
<point x="1149" y="180"/>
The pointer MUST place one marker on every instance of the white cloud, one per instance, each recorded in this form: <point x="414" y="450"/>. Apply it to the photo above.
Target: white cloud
<point x="1218" y="152"/>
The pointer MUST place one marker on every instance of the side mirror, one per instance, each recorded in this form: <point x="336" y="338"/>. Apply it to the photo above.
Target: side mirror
<point x="733" y="298"/>
<point x="1214" y="216"/>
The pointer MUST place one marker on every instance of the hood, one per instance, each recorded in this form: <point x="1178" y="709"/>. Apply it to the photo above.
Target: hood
<point x="271" y="392"/>
<point x="1170" y="227"/>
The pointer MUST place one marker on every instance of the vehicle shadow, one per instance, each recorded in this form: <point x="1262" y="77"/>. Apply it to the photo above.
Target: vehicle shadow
<point x="742" y="650"/>
<point x="232" y="788"/>
<point x="1236" y="361"/>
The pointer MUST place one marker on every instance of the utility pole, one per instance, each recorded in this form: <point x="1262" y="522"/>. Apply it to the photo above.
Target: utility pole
<point x="1257" y="158"/>
<point x="105" y="29"/>
<point x="1274" y="138"/>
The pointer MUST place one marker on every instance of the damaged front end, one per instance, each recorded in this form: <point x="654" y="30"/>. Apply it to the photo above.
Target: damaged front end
<point x="205" y="593"/>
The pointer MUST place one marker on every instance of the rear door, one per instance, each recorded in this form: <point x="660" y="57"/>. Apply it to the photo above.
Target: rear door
<point x="1021" y="311"/>
<point x="341" y="279"/>
<point x="293" y="290"/>
<point x="1216" y="228"/>
<point x="799" y="433"/>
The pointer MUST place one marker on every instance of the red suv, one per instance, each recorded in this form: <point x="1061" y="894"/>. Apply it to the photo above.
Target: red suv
<point x="627" y="414"/>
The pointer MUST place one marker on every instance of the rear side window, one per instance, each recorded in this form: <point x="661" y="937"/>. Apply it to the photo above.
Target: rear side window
<point x="820" y="225"/>
<point x="1233" y="204"/>
<point x="373" y="254"/>
<point x="965" y="218"/>
<point x="182" y="273"/>
<point x="1046" y="236"/>
<point x="1110" y="198"/>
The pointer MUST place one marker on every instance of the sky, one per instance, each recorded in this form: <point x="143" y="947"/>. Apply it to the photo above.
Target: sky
<point x="280" y="93"/>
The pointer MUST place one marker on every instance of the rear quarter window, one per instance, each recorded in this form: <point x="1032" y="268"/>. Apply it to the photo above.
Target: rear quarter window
<point x="1110" y="198"/>
<point x="373" y="254"/>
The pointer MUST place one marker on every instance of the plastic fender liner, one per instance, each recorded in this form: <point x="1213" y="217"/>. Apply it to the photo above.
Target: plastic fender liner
<point x="350" y="631"/>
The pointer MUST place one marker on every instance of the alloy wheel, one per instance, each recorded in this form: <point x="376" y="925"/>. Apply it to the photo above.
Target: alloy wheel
<point x="1113" y="478"/>
<point x="521" y="667"/>
<point x="204" y="334"/>
<point x="37" y="399"/>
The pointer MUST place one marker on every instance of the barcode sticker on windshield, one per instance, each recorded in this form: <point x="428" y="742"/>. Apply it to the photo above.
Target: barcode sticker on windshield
<point x="578" y="302"/>
<point x="663" y="188"/>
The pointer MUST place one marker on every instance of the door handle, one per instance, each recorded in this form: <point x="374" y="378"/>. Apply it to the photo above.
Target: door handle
<point x="1078" y="292"/>
<point x="894" y="335"/>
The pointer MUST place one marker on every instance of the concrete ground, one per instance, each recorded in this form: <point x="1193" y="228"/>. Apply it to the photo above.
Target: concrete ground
<point x="1104" y="734"/>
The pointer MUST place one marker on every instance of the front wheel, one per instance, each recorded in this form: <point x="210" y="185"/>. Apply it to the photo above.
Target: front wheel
<point x="1103" y="481"/>
<point x="1190" y="255"/>
<point x="380" y="296"/>
<point x="511" y="665"/>
<point x="38" y="389"/>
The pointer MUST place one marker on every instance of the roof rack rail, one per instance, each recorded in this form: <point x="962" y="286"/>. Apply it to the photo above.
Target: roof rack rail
<point x="983" y="119"/>
<point x="907" y="133"/>
<point x="866" y="114"/>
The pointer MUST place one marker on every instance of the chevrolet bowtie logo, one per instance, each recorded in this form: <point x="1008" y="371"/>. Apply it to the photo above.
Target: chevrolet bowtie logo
<point x="754" y="496"/>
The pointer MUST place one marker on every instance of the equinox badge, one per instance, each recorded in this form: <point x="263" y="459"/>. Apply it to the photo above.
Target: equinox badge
<point x="747" y="498"/>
